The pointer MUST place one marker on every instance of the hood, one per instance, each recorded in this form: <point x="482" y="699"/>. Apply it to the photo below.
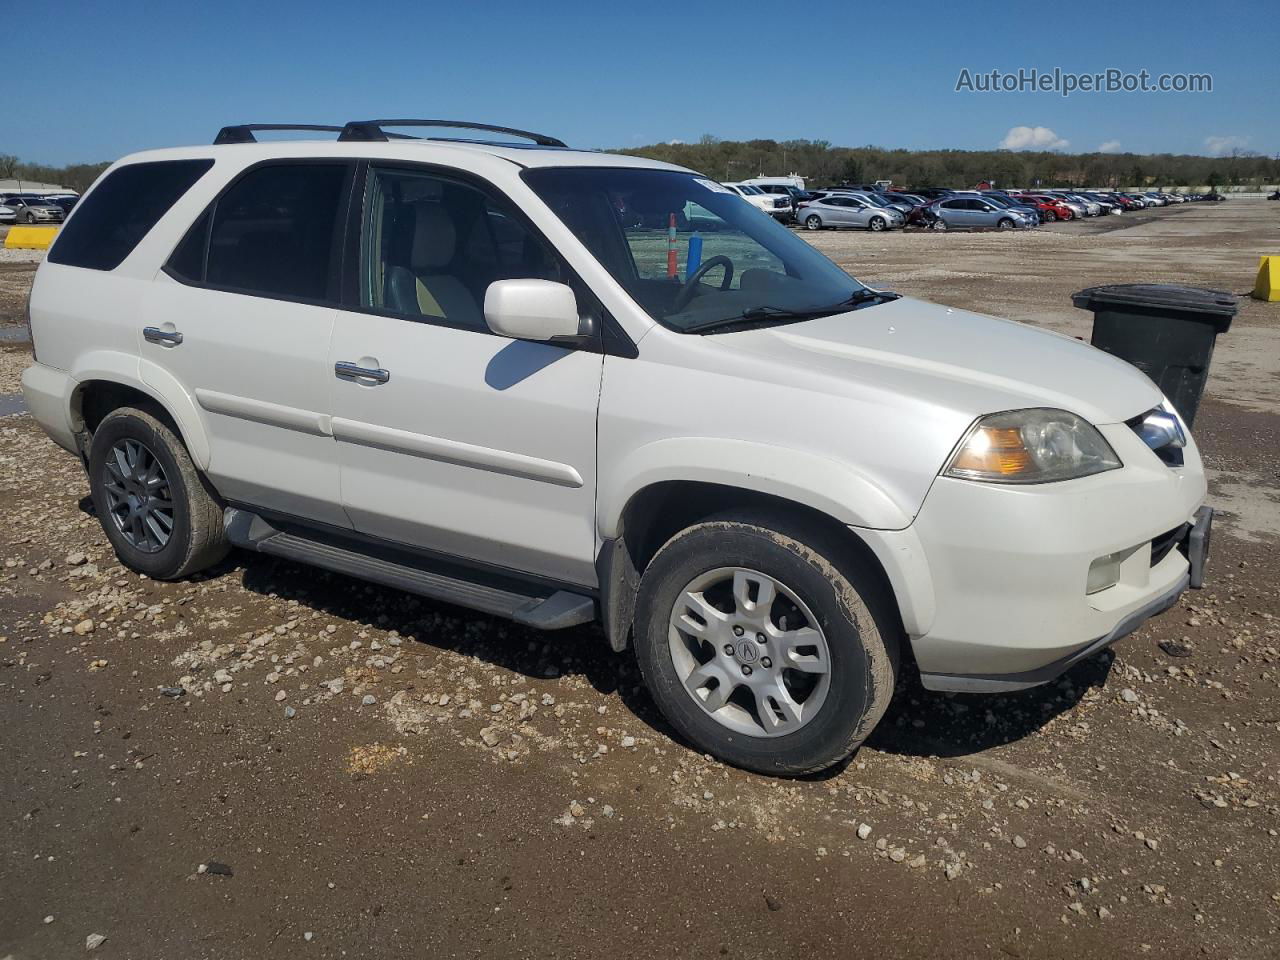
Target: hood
<point x="966" y="363"/>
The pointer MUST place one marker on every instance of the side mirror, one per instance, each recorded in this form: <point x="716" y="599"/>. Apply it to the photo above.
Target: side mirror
<point x="531" y="310"/>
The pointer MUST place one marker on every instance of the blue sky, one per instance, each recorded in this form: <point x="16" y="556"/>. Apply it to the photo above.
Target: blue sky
<point x="125" y="75"/>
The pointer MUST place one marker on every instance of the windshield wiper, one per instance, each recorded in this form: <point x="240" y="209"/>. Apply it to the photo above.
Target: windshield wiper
<point x="766" y="314"/>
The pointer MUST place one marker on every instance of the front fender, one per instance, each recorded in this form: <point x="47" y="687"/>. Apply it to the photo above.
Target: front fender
<point x="829" y="486"/>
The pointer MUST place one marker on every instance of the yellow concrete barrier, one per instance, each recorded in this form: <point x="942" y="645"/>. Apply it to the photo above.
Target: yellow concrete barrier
<point x="1268" y="285"/>
<point x="30" y="238"/>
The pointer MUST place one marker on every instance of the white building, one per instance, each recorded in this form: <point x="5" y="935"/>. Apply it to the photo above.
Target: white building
<point x="36" y="187"/>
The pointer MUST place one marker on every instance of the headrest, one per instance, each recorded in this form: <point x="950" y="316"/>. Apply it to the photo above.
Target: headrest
<point x="434" y="238"/>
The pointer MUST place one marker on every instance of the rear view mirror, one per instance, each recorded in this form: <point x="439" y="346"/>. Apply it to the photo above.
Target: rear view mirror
<point x="531" y="310"/>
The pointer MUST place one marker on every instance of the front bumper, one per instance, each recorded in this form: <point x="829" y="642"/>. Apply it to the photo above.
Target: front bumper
<point x="1007" y="567"/>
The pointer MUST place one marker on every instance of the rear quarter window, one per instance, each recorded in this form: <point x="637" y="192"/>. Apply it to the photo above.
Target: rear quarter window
<point x="121" y="210"/>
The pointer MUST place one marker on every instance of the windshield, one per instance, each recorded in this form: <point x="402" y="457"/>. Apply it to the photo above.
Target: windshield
<point x="648" y="228"/>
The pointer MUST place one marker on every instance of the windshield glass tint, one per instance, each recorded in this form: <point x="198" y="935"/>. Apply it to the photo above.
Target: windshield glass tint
<point x="645" y="227"/>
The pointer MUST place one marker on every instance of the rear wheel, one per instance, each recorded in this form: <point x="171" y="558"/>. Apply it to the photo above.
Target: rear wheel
<point x="151" y="501"/>
<point x="760" y="648"/>
<point x="877" y="223"/>
<point x="813" y="222"/>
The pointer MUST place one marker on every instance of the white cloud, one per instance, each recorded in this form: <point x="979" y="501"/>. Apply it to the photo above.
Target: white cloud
<point x="1033" y="138"/>
<point x="1111" y="146"/>
<point x="674" y="143"/>
<point x="1221" y="146"/>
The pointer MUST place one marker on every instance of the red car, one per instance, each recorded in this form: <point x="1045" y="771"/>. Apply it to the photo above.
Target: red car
<point x="1050" y="208"/>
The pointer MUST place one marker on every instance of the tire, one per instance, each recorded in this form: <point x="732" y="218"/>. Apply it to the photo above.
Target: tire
<point x="813" y="222"/>
<point x="1005" y="224"/>
<point x="28" y="217"/>
<point x="1050" y="217"/>
<point x="877" y="224"/>
<point x="839" y="600"/>
<point x="939" y="225"/>
<point x="131" y="439"/>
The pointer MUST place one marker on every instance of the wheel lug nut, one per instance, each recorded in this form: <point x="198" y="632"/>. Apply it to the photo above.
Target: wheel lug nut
<point x="728" y="649"/>
<point x="766" y="662"/>
<point x="746" y="671"/>
<point x="737" y="631"/>
<point x="760" y="638"/>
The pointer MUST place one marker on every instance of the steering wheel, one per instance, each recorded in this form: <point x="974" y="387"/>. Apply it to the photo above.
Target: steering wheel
<point x="690" y="286"/>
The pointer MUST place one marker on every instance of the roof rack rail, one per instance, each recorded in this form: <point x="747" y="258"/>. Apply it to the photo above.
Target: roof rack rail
<point x="371" y="130"/>
<point x="243" y="132"/>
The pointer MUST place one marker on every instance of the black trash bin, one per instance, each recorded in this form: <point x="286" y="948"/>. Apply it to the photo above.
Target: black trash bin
<point x="1166" y="331"/>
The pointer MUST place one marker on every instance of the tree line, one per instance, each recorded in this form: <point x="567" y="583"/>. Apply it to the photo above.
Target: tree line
<point x="75" y="176"/>
<point x="821" y="163"/>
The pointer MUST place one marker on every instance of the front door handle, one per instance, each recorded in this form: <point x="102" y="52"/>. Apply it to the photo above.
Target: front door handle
<point x="349" y="370"/>
<point x="168" y="338"/>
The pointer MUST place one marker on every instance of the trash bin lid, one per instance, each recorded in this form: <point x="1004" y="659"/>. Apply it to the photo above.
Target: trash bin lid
<point x="1160" y="296"/>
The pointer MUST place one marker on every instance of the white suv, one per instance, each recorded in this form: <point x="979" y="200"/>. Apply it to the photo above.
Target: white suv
<point x="564" y="386"/>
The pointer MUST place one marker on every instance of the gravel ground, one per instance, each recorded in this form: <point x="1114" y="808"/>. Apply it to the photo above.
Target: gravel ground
<point x="275" y="761"/>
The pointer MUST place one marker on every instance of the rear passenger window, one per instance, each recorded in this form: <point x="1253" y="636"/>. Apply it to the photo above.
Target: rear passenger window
<point x="120" y="211"/>
<point x="273" y="233"/>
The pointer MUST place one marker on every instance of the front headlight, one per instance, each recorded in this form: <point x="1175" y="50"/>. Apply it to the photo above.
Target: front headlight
<point x="1031" y="446"/>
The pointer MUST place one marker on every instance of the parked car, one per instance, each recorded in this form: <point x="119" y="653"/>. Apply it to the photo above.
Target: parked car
<point x="775" y="206"/>
<point x="958" y="212"/>
<point x="795" y="194"/>
<point x="29" y="209"/>
<point x="847" y="210"/>
<point x="1140" y="199"/>
<point x="1001" y="199"/>
<point x="65" y="201"/>
<point x="527" y="402"/>
<point x="1156" y="199"/>
<point x="1051" y="209"/>
<point x="8" y="214"/>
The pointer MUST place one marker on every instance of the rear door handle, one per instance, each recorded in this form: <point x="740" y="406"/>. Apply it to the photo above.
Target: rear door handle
<point x="168" y="338"/>
<point x="349" y="370"/>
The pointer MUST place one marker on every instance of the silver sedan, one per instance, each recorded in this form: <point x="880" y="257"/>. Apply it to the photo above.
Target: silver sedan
<point x="839" y="210"/>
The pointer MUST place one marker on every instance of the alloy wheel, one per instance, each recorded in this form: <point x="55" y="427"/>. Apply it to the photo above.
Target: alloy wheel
<point x="138" y="496"/>
<point x="749" y="652"/>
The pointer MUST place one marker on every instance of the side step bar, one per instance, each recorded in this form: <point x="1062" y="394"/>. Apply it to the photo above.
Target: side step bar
<point x="542" y="610"/>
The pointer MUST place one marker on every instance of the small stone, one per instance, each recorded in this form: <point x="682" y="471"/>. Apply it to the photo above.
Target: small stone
<point x="576" y="809"/>
<point x="628" y="742"/>
<point x="214" y="868"/>
<point x="898" y="854"/>
<point x="864" y="831"/>
<point x="1018" y="841"/>
<point x="290" y="713"/>
<point x="75" y="559"/>
<point x="1128" y="696"/>
<point x="49" y="918"/>
<point x="368" y="700"/>
<point x="83" y="628"/>
<point x="491" y="736"/>
<point x="280" y="695"/>
<point x="307" y="936"/>
<point x="93" y="941"/>
<point x="1175" y="649"/>
<point x="773" y="905"/>
<point x="172" y="691"/>
<point x="917" y="862"/>
<point x="1104" y="913"/>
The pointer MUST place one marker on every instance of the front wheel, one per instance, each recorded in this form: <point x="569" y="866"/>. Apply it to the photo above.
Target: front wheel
<point x="762" y="648"/>
<point x="1005" y="224"/>
<point x="877" y="224"/>
<point x="151" y="501"/>
<point x="813" y="222"/>
<point x="1050" y="216"/>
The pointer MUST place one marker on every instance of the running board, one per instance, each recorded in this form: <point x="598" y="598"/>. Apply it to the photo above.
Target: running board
<point x="542" y="610"/>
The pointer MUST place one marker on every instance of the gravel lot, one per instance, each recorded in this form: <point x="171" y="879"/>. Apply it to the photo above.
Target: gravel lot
<point x="275" y="761"/>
